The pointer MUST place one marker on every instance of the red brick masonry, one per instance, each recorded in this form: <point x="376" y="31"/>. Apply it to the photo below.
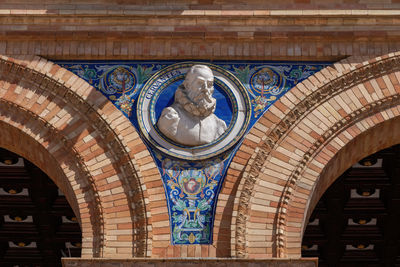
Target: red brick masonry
<point x="290" y="157"/>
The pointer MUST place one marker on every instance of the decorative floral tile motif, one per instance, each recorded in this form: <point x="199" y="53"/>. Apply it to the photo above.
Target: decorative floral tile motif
<point x="192" y="186"/>
<point x="191" y="189"/>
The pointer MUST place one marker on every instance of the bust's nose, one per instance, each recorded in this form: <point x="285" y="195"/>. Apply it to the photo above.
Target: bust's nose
<point x="205" y="87"/>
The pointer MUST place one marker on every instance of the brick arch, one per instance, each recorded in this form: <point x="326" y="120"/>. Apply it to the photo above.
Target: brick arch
<point x="291" y="145"/>
<point x="85" y="145"/>
<point x="20" y="132"/>
<point x="381" y="134"/>
<point x="376" y="128"/>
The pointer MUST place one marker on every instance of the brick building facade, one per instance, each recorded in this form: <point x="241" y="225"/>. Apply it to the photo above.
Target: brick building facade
<point x="285" y="163"/>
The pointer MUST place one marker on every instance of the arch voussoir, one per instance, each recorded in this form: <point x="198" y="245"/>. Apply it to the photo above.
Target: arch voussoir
<point x="78" y="129"/>
<point x="308" y="129"/>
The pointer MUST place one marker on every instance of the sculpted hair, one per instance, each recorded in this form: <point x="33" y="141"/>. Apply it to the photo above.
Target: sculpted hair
<point x="190" y="75"/>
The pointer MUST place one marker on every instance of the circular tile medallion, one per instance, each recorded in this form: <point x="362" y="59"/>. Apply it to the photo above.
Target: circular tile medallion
<point x="233" y="106"/>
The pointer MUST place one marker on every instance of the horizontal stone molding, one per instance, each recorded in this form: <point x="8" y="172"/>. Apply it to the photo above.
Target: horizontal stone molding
<point x="158" y="31"/>
<point x="222" y="47"/>
<point x="165" y="262"/>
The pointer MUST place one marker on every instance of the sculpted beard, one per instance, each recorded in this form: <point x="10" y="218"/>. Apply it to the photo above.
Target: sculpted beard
<point x="190" y="120"/>
<point x="196" y="103"/>
<point x="203" y="100"/>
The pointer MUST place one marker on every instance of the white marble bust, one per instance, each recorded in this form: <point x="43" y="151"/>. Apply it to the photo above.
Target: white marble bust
<point x="190" y="120"/>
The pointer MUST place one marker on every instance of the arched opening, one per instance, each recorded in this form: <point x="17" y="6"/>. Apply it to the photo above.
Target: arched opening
<point x="355" y="223"/>
<point x="37" y="224"/>
<point x="85" y="145"/>
<point x="309" y="141"/>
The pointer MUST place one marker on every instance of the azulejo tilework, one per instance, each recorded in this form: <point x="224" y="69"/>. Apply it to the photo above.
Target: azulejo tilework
<point x="192" y="189"/>
<point x="192" y="176"/>
<point x="233" y="106"/>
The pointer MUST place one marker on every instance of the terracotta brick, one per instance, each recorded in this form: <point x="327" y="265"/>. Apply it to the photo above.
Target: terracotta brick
<point x="300" y="30"/>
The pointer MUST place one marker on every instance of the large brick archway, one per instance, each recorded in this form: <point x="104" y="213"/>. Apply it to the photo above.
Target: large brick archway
<point x="74" y="134"/>
<point x="285" y="163"/>
<point x="301" y="146"/>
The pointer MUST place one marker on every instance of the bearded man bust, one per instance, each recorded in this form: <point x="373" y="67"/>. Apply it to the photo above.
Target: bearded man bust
<point x="190" y="120"/>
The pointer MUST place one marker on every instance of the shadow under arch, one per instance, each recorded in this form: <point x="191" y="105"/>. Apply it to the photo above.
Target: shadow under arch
<point x="383" y="134"/>
<point x="20" y="132"/>
<point x="377" y="138"/>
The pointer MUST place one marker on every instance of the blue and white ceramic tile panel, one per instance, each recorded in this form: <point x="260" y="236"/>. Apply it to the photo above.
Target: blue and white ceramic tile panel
<point x="192" y="177"/>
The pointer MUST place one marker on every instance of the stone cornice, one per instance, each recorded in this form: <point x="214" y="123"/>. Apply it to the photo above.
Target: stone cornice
<point x="168" y="262"/>
<point x="76" y="31"/>
<point x="174" y="22"/>
<point x="184" y="12"/>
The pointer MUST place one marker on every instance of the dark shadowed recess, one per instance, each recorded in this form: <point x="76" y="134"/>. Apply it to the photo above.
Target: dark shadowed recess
<point x="37" y="225"/>
<point x="356" y="222"/>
